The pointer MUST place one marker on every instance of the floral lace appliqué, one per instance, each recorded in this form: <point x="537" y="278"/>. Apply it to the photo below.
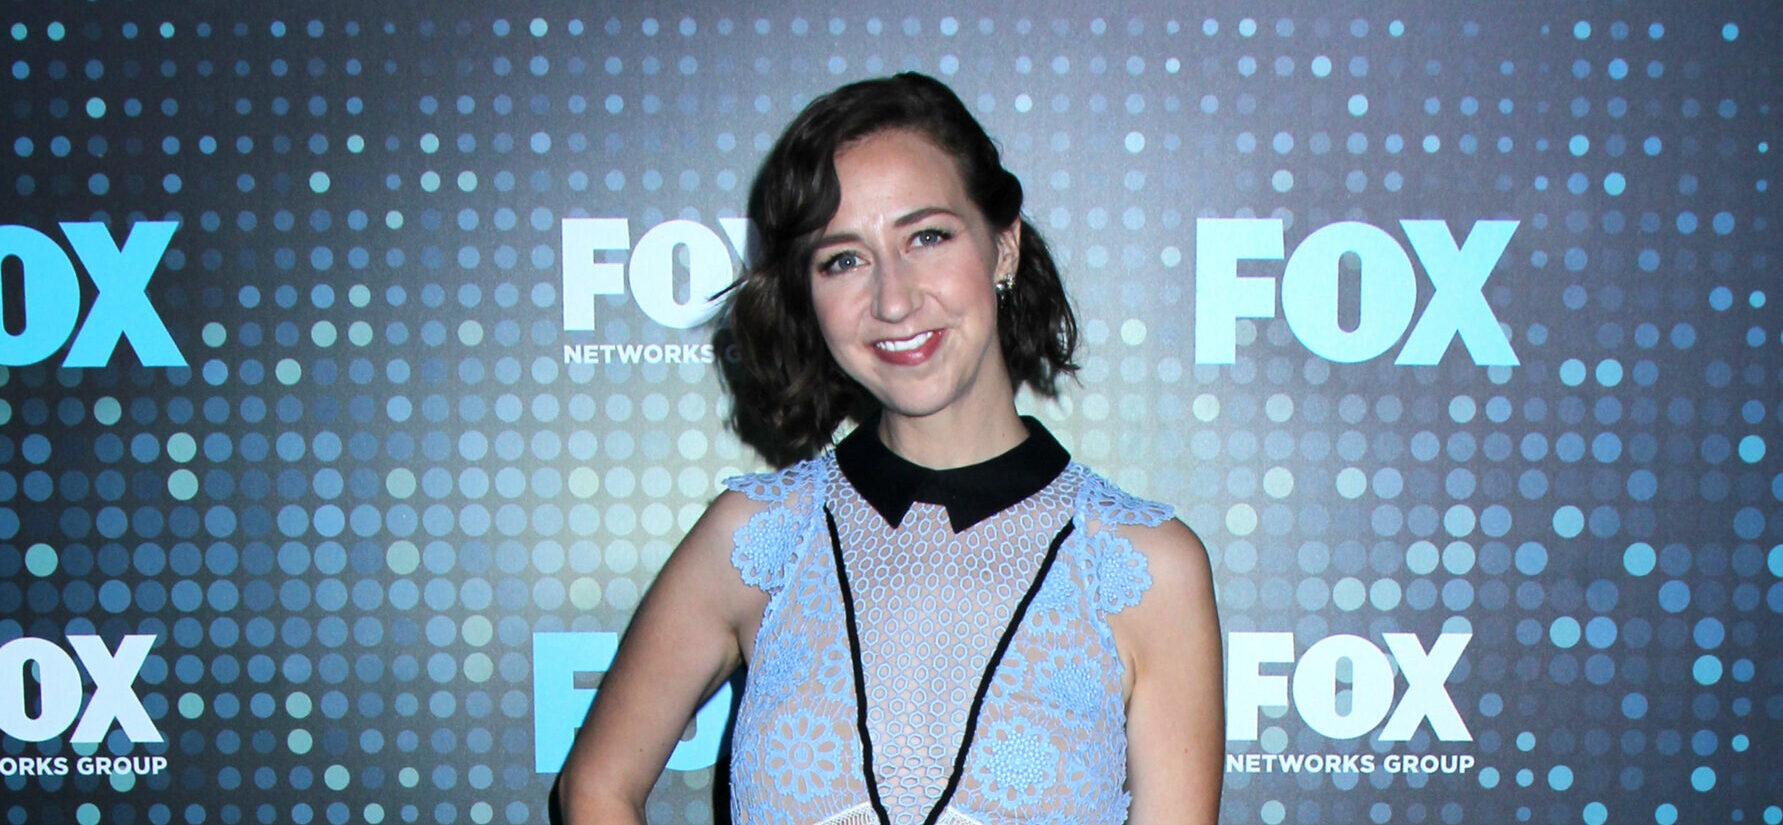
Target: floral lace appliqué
<point x="766" y="546"/>
<point x="783" y="667"/>
<point x="1118" y="571"/>
<point x="806" y="755"/>
<point x="1072" y="689"/>
<point x="1115" y="571"/>
<point x="1018" y="763"/>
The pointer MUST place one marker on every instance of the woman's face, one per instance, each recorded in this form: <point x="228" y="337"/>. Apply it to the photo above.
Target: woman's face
<point x="903" y="279"/>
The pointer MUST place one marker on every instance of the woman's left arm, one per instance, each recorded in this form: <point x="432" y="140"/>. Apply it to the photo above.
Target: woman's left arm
<point x="1176" y="713"/>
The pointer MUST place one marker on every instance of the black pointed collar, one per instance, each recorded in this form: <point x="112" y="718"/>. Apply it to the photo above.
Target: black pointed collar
<point x="971" y="494"/>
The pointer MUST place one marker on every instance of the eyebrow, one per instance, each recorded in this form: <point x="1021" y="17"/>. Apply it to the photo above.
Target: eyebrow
<point x="905" y="220"/>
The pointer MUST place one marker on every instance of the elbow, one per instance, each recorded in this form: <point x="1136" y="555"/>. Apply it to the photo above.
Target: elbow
<point x="582" y="799"/>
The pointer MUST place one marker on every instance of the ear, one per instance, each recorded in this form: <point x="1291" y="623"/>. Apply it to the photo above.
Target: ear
<point x="1009" y="244"/>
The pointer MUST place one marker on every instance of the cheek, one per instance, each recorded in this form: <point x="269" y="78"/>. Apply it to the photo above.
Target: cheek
<point x="973" y="290"/>
<point x="834" y="313"/>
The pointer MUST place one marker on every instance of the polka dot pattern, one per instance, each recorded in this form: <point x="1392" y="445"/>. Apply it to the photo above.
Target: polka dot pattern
<point x="379" y="475"/>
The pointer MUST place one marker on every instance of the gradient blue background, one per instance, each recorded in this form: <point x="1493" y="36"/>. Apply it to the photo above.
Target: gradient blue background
<point x="378" y="478"/>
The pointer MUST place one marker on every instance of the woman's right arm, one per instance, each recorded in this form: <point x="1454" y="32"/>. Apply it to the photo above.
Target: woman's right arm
<point x="684" y="641"/>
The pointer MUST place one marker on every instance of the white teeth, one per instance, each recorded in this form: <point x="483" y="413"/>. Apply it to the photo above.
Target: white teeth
<point x="905" y="345"/>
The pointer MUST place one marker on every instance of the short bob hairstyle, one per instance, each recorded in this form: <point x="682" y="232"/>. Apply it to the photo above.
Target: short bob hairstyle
<point x="789" y="393"/>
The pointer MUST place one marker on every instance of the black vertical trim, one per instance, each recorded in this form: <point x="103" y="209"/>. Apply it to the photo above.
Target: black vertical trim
<point x="990" y="673"/>
<point x="984" y="681"/>
<point x="860" y="678"/>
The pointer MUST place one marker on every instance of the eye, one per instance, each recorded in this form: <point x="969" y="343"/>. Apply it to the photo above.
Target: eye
<point x="931" y="236"/>
<point x="839" y="262"/>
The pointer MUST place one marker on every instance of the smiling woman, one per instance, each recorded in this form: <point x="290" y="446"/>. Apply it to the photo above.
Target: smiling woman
<point x="945" y="618"/>
<point x="852" y="156"/>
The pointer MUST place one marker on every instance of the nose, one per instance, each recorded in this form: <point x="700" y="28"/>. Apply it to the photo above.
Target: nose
<point x="895" y="293"/>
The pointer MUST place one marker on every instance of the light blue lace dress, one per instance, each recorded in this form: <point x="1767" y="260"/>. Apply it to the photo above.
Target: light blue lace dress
<point x="930" y="607"/>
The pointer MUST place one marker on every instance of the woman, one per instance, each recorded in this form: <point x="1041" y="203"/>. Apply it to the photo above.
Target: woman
<point x="945" y="619"/>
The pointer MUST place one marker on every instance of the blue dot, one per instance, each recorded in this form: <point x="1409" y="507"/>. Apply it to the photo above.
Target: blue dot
<point x="1578" y="145"/>
<point x="1531" y="559"/>
<point x="1572" y="372"/>
<point x="1609" y="372"/>
<point x="1703" y="778"/>
<point x="1358" y="105"/>
<point x="1665" y="814"/>
<point x="1720" y="298"/>
<point x="1748" y="522"/>
<point x="1564" y="632"/>
<point x="1706" y="670"/>
<point x="1581" y="30"/>
<point x="1674" y="596"/>
<point x="1560" y="777"/>
<point x="1683" y="336"/>
<point x="1600" y="632"/>
<point x="1614" y="184"/>
<point x="1634" y="706"/>
<point x="1751" y="449"/>
<point x="1729" y="32"/>
<point x="1568" y="521"/>
<point x="1596" y="814"/>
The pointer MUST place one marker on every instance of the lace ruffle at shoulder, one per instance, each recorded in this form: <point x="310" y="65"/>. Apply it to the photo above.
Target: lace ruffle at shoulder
<point x="1117" y="572"/>
<point x="767" y="546"/>
<point x="778" y="485"/>
<point x="1100" y="500"/>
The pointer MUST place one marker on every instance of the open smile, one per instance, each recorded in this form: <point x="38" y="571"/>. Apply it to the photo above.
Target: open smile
<point x="908" y="352"/>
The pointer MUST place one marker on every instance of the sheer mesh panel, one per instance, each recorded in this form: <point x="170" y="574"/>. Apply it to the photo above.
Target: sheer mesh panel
<point x="1050" y="744"/>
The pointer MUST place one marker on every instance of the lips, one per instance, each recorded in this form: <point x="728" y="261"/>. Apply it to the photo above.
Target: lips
<point x="908" y="352"/>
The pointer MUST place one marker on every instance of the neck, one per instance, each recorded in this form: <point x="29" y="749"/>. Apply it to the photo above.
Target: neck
<point x="952" y="437"/>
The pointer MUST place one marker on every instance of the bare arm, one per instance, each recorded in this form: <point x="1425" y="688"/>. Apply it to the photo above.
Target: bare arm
<point x="683" y="642"/>
<point x="1176" y="714"/>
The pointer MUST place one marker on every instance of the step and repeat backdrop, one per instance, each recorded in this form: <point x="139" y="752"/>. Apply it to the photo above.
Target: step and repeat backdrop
<point x="358" y="380"/>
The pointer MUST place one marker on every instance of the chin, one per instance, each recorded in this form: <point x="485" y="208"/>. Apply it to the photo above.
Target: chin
<point x="912" y="404"/>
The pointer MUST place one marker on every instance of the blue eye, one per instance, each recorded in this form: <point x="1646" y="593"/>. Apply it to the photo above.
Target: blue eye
<point x="930" y="237"/>
<point x="836" y="263"/>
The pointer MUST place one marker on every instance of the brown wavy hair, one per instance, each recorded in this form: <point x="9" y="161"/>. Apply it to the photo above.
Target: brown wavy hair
<point x="788" y="393"/>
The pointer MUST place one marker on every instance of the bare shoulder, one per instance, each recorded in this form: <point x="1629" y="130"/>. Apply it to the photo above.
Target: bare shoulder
<point x="742" y="499"/>
<point x="1175" y="700"/>
<point x="1170" y="547"/>
<point x="727" y="513"/>
<point x="701" y="576"/>
<point x="1177" y="562"/>
<point x="711" y="544"/>
<point x="1174" y="621"/>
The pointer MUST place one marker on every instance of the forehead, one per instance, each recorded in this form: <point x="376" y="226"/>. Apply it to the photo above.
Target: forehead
<point x="896" y="170"/>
